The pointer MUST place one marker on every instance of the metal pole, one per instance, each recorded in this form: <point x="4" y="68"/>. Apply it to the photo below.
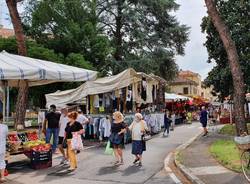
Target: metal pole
<point x="8" y="103"/>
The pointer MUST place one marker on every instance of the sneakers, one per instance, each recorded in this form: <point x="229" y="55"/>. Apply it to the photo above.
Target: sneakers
<point x="136" y="160"/>
<point x="205" y="134"/>
<point x="64" y="161"/>
<point x="140" y="164"/>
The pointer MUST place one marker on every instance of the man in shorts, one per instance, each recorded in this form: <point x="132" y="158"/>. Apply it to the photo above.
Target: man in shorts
<point x="203" y="120"/>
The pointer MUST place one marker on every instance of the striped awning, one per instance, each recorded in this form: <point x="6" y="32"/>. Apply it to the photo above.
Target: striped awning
<point x="39" y="72"/>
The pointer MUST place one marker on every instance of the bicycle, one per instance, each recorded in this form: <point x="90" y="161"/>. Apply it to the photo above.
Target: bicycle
<point x="245" y="160"/>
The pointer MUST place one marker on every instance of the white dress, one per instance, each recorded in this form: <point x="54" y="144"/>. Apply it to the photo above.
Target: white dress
<point x="3" y="136"/>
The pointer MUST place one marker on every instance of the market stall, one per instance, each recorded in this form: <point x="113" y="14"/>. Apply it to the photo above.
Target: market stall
<point x="15" y="68"/>
<point x="29" y="144"/>
<point x="125" y="92"/>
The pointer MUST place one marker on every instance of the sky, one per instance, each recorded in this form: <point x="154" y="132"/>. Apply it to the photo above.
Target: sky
<point x="190" y="14"/>
<point x="195" y="59"/>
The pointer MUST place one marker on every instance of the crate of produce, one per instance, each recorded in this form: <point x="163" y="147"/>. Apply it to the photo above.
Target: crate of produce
<point x="41" y="156"/>
<point x="42" y="153"/>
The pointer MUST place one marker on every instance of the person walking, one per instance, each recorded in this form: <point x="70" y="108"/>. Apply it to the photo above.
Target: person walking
<point x="52" y="122"/>
<point x="167" y="123"/>
<point x="3" y="136"/>
<point x="118" y="128"/>
<point x="72" y="127"/>
<point x="172" y="117"/>
<point x="138" y="129"/>
<point x="62" y="125"/>
<point x="203" y="120"/>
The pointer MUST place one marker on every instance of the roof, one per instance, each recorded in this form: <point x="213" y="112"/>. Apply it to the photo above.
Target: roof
<point x="6" y="33"/>
<point x="180" y="80"/>
<point x="188" y="73"/>
<point x="39" y="72"/>
<point x="99" y="86"/>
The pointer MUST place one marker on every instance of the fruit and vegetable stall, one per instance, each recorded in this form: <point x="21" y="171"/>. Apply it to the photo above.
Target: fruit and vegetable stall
<point x="29" y="144"/>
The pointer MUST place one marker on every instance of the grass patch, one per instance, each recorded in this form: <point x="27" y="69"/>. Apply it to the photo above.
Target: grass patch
<point x="226" y="152"/>
<point x="230" y="130"/>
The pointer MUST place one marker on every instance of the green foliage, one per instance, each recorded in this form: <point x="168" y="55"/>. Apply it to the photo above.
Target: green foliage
<point x="226" y="152"/>
<point x="67" y="27"/>
<point x="110" y="34"/>
<point x="38" y="51"/>
<point x="230" y="130"/>
<point x="237" y="19"/>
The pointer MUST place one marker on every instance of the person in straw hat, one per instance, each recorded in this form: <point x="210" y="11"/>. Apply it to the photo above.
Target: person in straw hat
<point x="118" y="128"/>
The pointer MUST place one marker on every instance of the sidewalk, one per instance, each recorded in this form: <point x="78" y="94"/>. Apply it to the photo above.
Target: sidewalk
<point x="198" y="160"/>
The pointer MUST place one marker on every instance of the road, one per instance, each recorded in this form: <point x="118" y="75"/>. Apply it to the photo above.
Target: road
<point x="96" y="168"/>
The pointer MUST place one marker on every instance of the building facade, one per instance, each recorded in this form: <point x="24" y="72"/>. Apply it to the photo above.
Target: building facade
<point x="190" y="84"/>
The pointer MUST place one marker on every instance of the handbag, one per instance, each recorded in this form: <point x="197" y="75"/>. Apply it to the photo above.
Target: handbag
<point x="115" y="139"/>
<point x="64" y="144"/>
<point x="76" y="142"/>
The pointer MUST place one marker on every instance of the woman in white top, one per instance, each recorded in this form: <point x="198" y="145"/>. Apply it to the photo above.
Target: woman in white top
<point x="62" y="125"/>
<point x="3" y="136"/>
<point x="138" y="129"/>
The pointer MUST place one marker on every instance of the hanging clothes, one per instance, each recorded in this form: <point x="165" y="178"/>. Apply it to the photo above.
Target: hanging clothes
<point x="96" y="101"/>
<point x="144" y="89"/>
<point x="149" y="94"/>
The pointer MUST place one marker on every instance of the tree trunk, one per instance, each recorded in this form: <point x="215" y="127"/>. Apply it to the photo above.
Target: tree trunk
<point x="22" y="98"/>
<point x="118" y="31"/>
<point x="233" y="60"/>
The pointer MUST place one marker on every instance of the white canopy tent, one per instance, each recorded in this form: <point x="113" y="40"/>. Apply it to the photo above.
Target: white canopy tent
<point x="39" y="72"/>
<point x="99" y="86"/>
<point x="175" y="97"/>
<point x="14" y="68"/>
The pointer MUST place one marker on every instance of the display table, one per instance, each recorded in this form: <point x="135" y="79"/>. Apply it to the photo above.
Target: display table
<point x="27" y="143"/>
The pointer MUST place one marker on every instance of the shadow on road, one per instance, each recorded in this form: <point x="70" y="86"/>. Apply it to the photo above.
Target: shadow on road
<point x="108" y="170"/>
<point x="133" y="169"/>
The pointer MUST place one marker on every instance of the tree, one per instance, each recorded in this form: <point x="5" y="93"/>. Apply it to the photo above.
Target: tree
<point x="67" y="27"/>
<point x="238" y="22"/>
<point x="139" y="28"/>
<point x="233" y="61"/>
<point x="22" y="98"/>
<point x="135" y="29"/>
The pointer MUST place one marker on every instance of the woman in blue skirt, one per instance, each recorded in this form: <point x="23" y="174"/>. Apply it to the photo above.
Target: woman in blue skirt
<point x="138" y="129"/>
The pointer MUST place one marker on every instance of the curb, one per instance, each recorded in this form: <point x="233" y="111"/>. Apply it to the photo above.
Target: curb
<point x="187" y="172"/>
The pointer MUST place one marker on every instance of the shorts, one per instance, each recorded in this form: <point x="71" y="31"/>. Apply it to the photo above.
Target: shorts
<point x="204" y="124"/>
<point x="60" y="140"/>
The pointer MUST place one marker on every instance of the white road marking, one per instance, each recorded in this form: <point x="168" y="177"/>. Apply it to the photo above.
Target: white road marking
<point x="209" y="170"/>
<point x="169" y="170"/>
<point x="174" y="178"/>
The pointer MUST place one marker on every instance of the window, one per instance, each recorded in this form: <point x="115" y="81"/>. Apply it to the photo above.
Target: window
<point x="185" y="91"/>
<point x="195" y="91"/>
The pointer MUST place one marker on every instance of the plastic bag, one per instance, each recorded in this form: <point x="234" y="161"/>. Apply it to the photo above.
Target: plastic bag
<point x="76" y="142"/>
<point x="109" y="150"/>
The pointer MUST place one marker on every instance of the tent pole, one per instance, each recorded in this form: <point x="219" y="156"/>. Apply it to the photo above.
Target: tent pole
<point x="4" y="102"/>
<point x="8" y="103"/>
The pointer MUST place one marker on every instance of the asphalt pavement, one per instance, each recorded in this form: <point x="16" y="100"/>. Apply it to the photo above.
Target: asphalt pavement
<point x="94" y="167"/>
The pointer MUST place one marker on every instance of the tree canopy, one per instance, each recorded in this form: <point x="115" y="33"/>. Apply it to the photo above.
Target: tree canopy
<point x="110" y="34"/>
<point x="237" y="19"/>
